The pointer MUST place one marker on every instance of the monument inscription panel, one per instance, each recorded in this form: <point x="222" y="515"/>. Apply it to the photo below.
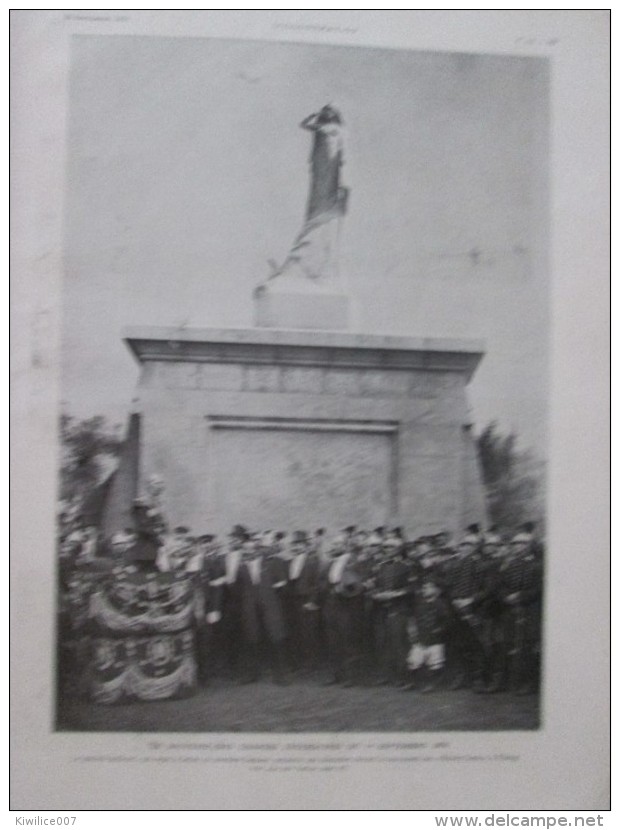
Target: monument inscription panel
<point x="290" y="473"/>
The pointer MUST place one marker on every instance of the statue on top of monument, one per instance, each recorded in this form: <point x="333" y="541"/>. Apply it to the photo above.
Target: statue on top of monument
<point x="326" y="159"/>
<point x="312" y="260"/>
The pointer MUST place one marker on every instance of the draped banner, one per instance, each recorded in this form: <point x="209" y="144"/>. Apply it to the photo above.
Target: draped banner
<point x="142" y="639"/>
<point x="146" y="668"/>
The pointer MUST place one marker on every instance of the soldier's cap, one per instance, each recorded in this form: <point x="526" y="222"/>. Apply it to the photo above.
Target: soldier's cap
<point x="350" y="529"/>
<point x="320" y="531"/>
<point x="380" y="530"/>
<point x="206" y="537"/>
<point x="473" y="528"/>
<point x="279" y="535"/>
<point x="239" y="532"/>
<point x="299" y="536"/>
<point x="528" y="527"/>
<point x="181" y="530"/>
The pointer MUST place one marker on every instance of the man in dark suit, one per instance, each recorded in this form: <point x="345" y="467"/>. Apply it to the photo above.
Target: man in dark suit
<point x="519" y="589"/>
<point x="301" y="602"/>
<point x="343" y="588"/>
<point x="224" y="569"/>
<point x="261" y="580"/>
<point x="464" y="586"/>
<point x="391" y="597"/>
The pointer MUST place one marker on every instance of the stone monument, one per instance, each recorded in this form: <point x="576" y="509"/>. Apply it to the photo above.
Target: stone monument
<point x="278" y="426"/>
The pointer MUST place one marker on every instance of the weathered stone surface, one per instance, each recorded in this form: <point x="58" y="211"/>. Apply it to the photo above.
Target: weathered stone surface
<point x="261" y="378"/>
<point x="286" y="478"/>
<point x="302" y="380"/>
<point x="219" y="376"/>
<point x="377" y="382"/>
<point x="288" y="429"/>
<point x="302" y="311"/>
<point x="342" y="382"/>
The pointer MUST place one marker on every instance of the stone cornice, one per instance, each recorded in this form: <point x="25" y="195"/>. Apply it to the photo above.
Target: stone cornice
<point x="303" y="348"/>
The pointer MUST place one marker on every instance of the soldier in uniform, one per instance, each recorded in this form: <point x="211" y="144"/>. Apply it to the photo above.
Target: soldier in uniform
<point x="489" y="609"/>
<point x="391" y="597"/>
<point x="519" y="587"/>
<point x="462" y="583"/>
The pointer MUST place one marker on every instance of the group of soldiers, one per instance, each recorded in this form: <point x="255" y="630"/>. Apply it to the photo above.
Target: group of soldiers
<point x="356" y="608"/>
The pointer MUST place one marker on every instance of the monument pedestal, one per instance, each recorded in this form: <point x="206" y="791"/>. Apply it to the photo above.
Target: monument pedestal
<point x="291" y="429"/>
<point x="296" y="310"/>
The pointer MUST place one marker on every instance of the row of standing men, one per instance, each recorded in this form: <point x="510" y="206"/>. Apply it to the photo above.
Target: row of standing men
<point x="362" y="607"/>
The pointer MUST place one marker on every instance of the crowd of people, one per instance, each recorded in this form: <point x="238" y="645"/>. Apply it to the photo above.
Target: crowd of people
<point x="357" y="607"/>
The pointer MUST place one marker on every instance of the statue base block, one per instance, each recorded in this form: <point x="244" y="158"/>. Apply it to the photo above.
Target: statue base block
<point x="283" y="310"/>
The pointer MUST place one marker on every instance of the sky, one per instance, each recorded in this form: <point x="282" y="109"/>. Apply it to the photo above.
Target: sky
<point x="187" y="172"/>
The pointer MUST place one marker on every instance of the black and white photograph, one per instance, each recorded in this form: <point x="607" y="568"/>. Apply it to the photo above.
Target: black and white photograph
<point x="304" y="387"/>
<point x="309" y="427"/>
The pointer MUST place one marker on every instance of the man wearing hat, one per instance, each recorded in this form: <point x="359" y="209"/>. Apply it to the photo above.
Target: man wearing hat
<point x="225" y="600"/>
<point x="519" y="588"/>
<point x="463" y="585"/>
<point x="261" y="581"/>
<point x="343" y="585"/>
<point x="208" y="576"/>
<point x="300" y="599"/>
<point x="489" y="609"/>
<point x="391" y="598"/>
